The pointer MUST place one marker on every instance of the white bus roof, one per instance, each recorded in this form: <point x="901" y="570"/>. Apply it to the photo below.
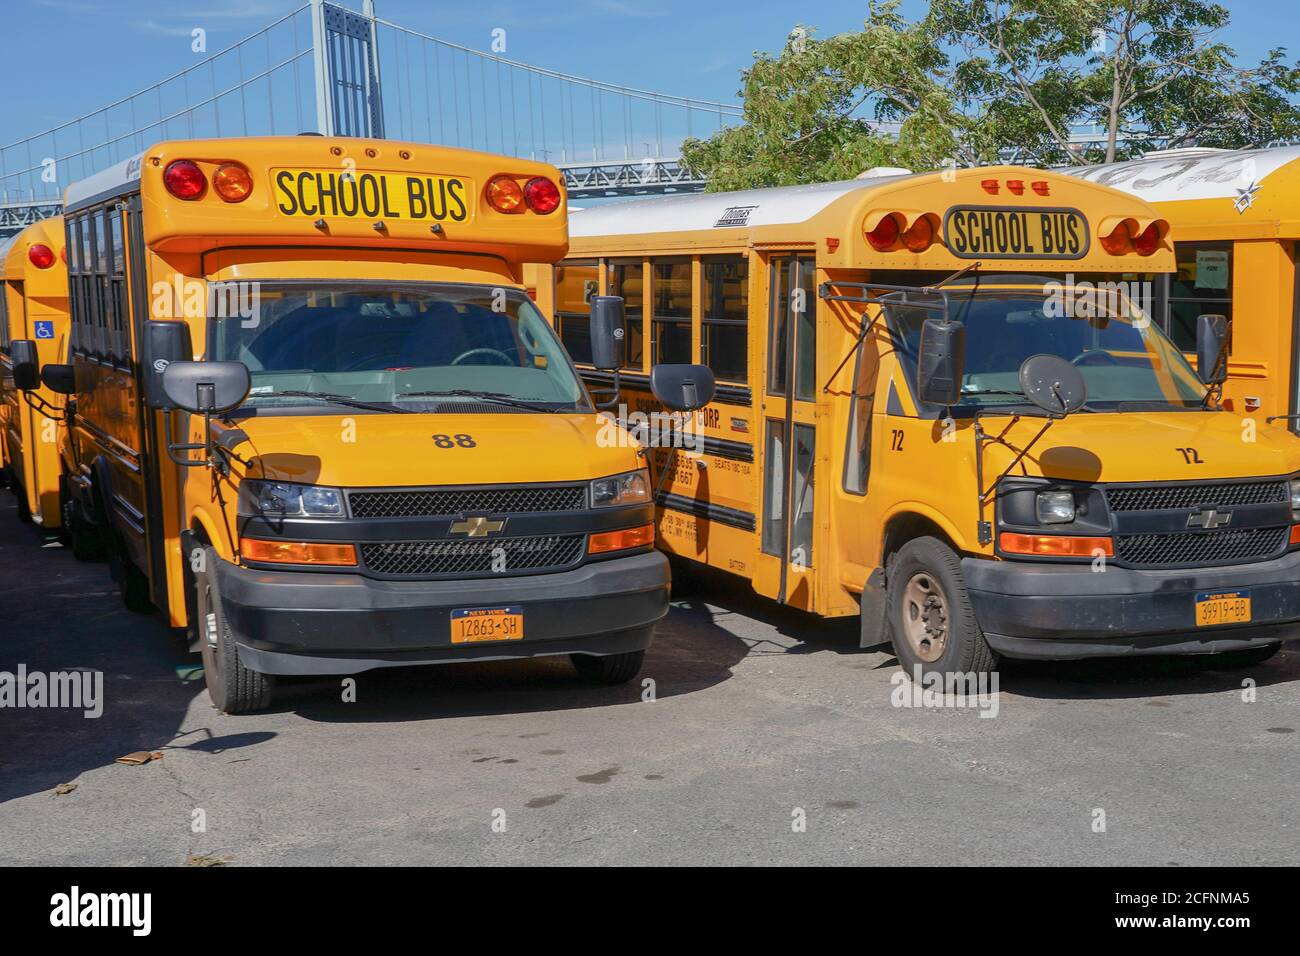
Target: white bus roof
<point x="780" y="205"/>
<point x="114" y="181"/>
<point x="1190" y="173"/>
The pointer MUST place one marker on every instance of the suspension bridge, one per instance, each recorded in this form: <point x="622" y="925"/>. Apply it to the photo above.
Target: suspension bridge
<point x="333" y="70"/>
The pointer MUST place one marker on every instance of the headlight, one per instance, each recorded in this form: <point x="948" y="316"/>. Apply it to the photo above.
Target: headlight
<point x="282" y="499"/>
<point x="1295" y="497"/>
<point x="632" y="488"/>
<point x="1054" y="507"/>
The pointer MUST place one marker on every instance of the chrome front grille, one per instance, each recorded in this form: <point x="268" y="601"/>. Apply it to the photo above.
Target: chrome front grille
<point x="473" y="558"/>
<point x="444" y="502"/>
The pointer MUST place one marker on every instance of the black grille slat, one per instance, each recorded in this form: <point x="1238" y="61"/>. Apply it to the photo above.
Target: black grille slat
<point x="461" y="558"/>
<point x="442" y="502"/>
<point x="1186" y="549"/>
<point x="1171" y="497"/>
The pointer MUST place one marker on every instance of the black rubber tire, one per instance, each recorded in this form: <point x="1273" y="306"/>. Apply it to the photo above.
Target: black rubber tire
<point x="233" y="688"/>
<point x="1246" y="657"/>
<point x="24" y="512"/>
<point x="82" y="537"/>
<point x="966" y="651"/>
<point x="609" y="670"/>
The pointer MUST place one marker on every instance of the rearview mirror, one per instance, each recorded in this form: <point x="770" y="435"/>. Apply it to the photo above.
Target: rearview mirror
<point x="206" y="388"/>
<point x="60" y="378"/>
<point x="608" y="335"/>
<point x="683" y="388"/>
<point x="164" y="343"/>
<point x="1212" y="348"/>
<point x="941" y="362"/>
<point x="27" y="374"/>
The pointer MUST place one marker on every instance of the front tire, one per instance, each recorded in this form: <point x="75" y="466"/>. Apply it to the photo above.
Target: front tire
<point x="931" y="620"/>
<point x="234" y="688"/>
<point x="609" y="670"/>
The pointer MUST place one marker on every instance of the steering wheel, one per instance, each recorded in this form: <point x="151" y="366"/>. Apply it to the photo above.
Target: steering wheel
<point x="498" y="357"/>
<point x="1100" y="356"/>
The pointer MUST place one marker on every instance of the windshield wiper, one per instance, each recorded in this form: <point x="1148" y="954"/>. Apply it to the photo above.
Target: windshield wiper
<point x="991" y="391"/>
<point x="341" y="400"/>
<point x="499" y="397"/>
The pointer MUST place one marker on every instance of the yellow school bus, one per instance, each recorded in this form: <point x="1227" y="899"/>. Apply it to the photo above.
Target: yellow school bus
<point x="34" y="314"/>
<point x="321" y="425"/>
<point x="941" y="405"/>
<point x="1236" y="216"/>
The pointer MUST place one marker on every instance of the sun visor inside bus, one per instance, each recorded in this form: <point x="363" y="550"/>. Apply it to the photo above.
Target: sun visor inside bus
<point x="164" y="343"/>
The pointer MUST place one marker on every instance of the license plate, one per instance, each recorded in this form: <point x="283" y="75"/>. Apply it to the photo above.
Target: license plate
<point x="1222" y="607"/>
<point x="339" y="194"/>
<point x="471" y="625"/>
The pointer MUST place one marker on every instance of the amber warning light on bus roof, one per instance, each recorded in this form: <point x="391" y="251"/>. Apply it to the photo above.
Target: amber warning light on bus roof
<point x="1126" y="237"/>
<point x="892" y="231"/>
<point x="504" y="194"/>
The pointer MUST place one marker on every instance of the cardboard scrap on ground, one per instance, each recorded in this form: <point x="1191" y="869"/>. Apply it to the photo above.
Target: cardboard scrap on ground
<point x="203" y="860"/>
<point x="63" y="788"/>
<point x="139" y="757"/>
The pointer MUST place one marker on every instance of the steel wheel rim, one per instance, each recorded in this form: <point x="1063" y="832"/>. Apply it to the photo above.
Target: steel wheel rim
<point x="925" y="617"/>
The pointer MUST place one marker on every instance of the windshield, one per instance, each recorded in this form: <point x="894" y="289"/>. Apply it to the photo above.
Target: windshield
<point x="399" y="347"/>
<point x="1124" y="358"/>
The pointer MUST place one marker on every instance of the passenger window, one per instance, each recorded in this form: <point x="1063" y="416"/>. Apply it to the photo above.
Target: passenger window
<point x="625" y="279"/>
<point x="724" y="326"/>
<point x="670" y="322"/>
<point x="575" y="283"/>
<point x="1203" y="285"/>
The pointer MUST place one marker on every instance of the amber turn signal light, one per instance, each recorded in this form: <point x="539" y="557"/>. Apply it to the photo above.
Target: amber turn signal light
<point x="232" y="182"/>
<point x="297" y="552"/>
<point x="1295" y="534"/>
<point x="619" y="540"/>
<point x="1056" y="545"/>
<point x="504" y="194"/>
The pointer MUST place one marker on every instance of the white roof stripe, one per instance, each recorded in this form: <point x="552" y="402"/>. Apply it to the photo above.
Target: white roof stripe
<point x="118" y="175"/>
<point x="780" y="205"/>
<point x="1190" y="174"/>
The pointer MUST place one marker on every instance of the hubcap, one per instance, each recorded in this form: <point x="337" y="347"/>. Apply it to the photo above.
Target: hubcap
<point x="925" y="617"/>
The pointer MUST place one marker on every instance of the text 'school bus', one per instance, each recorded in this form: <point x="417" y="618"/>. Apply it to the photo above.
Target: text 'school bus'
<point x="322" y="426"/>
<point x="1235" y="216"/>
<point x="33" y="331"/>
<point x="940" y="404"/>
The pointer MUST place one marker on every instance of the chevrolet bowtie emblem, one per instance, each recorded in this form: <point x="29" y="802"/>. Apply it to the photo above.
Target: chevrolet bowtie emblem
<point x="478" y="526"/>
<point x="1208" y="518"/>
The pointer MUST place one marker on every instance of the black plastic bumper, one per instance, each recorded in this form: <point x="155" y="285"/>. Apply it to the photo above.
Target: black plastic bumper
<point x="294" y="622"/>
<point x="1061" y="612"/>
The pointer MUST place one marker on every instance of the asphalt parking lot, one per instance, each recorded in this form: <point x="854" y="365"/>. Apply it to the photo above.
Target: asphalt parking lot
<point x="771" y="738"/>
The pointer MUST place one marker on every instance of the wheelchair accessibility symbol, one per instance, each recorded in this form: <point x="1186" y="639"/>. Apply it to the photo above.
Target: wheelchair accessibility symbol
<point x="44" y="329"/>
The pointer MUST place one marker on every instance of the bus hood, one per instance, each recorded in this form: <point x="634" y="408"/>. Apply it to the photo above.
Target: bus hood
<point x="1143" y="447"/>
<point x="382" y="450"/>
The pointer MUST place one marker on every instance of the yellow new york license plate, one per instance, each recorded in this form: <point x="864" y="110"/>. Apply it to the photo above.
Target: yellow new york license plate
<point x="1222" y="607"/>
<point x="474" y="624"/>
<point x="340" y="194"/>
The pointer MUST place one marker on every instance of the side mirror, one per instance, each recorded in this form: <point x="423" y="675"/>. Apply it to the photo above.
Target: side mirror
<point x="1211" y="348"/>
<point x="206" y="388"/>
<point x="163" y="344"/>
<point x="60" y="378"/>
<point x="941" y="362"/>
<point x="1053" y="384"/>
<point x="608" y="333"/>
<point x="27" y="374"/>
<point x="683" y="388"/>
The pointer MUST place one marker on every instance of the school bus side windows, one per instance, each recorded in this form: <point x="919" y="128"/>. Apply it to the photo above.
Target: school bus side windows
<point x="670" y="320"/>
<point x="575" y="283"/>
<point x="1203" y="285"/>
<point x="724" y="326"/>
<point x="625" y="279"/>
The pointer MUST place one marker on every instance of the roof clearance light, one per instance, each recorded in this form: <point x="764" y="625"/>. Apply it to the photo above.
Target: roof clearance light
<point x="1149" y="241"/>
<point x="990" y="186"/>
<point x="41" y="255"/>
<point x="920" y="237"/>
<point x="885" y="235"/>
<point x="504" y="194"/>
<point x="542" y="195"/>
<point x="1117" y="243"/>
<point x="184" y="180"/>
<point x="1016" y="186"/>
<point x="232" y="182"/>
<point x="1042" y="187"/>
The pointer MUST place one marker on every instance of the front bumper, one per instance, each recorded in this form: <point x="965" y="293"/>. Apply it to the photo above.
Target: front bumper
<point x="299" y="622"/>
<point x="1063" y="612"/>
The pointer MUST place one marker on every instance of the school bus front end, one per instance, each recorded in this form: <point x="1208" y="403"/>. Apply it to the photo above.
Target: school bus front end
<point x="953" y="416"/>
<point x="384" y="456"/>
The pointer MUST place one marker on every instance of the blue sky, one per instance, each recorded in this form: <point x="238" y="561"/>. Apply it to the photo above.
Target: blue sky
<point x="110" y="49"/>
